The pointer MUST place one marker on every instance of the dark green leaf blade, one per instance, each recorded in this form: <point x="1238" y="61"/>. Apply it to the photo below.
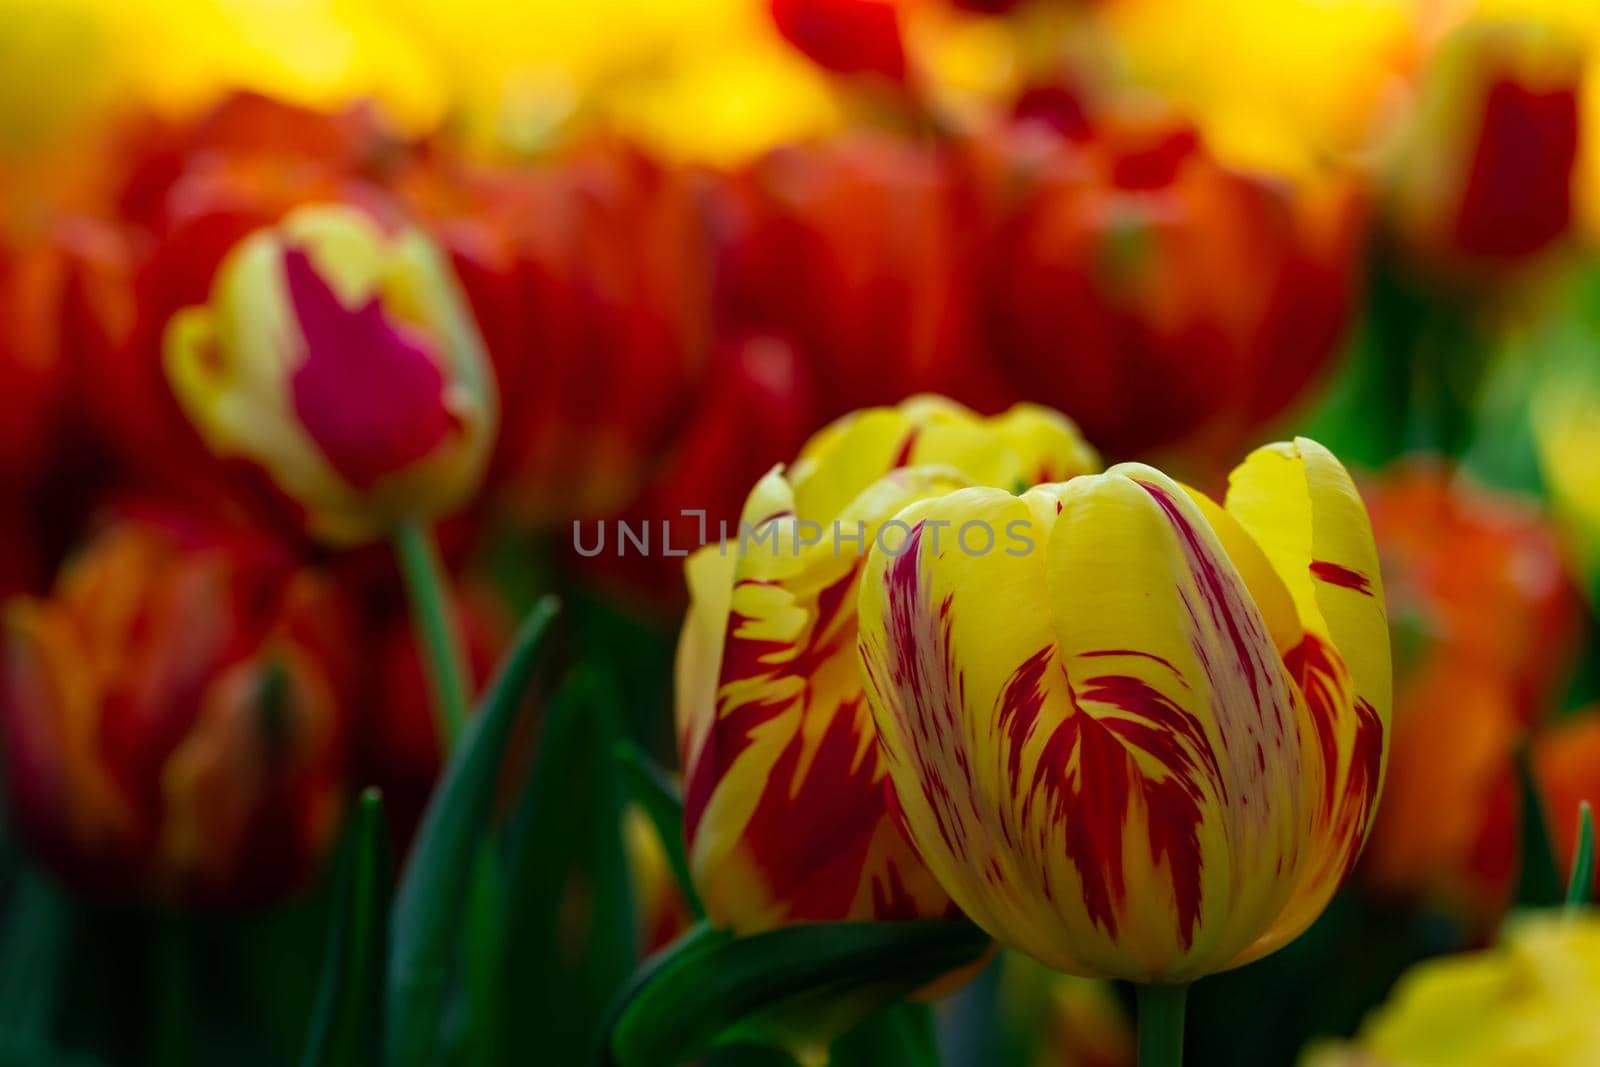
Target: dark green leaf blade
<point x="901" y="1034"/>
<point x="1580" y="886"/>
<point x="347" y="1025"/>
<point x="658" y="796"/>
<point x="425" y="924"/>
<point x="795" y="987"/>
<point x="572" y="939"/>
<point x="35" y="942"/>
<point x="1539" y="883"/>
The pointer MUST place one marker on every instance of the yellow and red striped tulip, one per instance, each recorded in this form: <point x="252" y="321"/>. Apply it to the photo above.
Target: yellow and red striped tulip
<point x="1143" y="737"/>
<point x="786" y="807"/>
<point x="341" y="359"/>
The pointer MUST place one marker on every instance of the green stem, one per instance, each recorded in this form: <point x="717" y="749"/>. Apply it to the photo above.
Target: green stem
<point x="1161" y="1025"/>
<point x="431" y="611"/>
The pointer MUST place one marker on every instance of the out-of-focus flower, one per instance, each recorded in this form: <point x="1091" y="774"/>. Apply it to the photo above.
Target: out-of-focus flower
<point x="859" y="252"/>
<point x="1153" y="294"/>
<point x="1478" y="576"/>
<point x="59" y="296"/>
<point x="1485" y="618"/>
<point x="342" y="360"/>
<point x="757" y="407"/>
<point x="1566" y="762"/>
<point x="787" y="811"/>
<point x="174" y="716"/>
<point x="1143" y="736"/>
<point x="1528" y="1002"/>
<point x="591" y="280"/>
<point x="1484" y="170"/>
<point x="182" y="196"/>
<point x="846" y="36"/>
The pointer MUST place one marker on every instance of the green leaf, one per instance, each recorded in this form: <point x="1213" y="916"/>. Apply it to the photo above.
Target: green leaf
<point x="34" y="946"/>
<point x="572" y="939"/>
<point x="438" y="634"/>
<point x="650" y="788"/>
<point x="347" y="1023"/>
<point x="797" y="987"/>
<point x="1580" y="884"/>
<point x="425" y="924"/>
<point x="1539" y="885"/>
<point x="900" y="1034"/>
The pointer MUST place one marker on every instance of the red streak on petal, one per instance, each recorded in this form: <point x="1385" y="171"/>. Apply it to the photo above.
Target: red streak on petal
<point x="902" y="458"/>
<point x="1344" y="577"/>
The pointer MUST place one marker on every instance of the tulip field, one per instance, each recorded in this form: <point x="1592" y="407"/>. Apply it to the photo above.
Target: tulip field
<point x="790" y="533"/>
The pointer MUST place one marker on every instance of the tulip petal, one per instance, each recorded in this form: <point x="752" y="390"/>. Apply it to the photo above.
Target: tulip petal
<point x="1207" y="688"/>
<point x="1301" y="507"/>
<point x="774" y="723"/>
<point x="1067" y="776"/>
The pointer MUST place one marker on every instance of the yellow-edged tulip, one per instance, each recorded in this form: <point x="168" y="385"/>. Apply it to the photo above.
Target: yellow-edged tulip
<point x="786" y="807"/>
<point x="341" y="359"/>
<point x="1143" y="735"/>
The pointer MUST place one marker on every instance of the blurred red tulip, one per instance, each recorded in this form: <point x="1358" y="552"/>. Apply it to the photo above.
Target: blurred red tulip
<point x="757" y="409"/>
<point x="590" y="280"/>
<point x="174" y="716"/>
<point x="1485" y="171"/>
<point x="1150" y="293"/>
<point x="1485" y="616"/>
<point x="845" y="36"/>
<point x="858" y="252"/>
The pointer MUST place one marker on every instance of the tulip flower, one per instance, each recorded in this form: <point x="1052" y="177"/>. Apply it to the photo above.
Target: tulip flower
<point x="582" y="275"/>
<point x="1528" y="1002"/>
<point x="174" y="717"/>
<point x="787" y="812"/>
<point x="1485" y="171"/>
<point x="1485" y="617"/>
<point x="1126" y="254"/>
<point x="1142" y="736"/>
<point x="341" y="360"/>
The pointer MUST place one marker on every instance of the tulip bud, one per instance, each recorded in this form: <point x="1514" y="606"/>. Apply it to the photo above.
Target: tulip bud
<point x="1486" y="169"/>
<point x="342" y="361"/>
<point x="173" y="718"/>
<point x="1145" y="739"/>
<point x="787" y="810"/>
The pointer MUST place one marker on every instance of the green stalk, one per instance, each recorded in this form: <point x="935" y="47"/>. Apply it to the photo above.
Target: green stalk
<point x="1161" y="1025"/>
<point x="434" y="619"/>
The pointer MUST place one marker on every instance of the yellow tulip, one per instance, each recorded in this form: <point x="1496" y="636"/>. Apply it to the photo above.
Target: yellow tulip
<point x="1143" y="735"/>
<point x="1527" y="1003"/>
<point x="786" y="807"/>
<point x="342" y="360"/>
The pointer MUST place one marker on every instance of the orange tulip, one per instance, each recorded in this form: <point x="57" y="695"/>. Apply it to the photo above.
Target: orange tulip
<point x="174" y="716"/>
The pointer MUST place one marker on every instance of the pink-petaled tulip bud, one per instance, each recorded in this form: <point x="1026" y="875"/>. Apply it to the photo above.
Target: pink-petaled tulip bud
<point x="341" y="359"/>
